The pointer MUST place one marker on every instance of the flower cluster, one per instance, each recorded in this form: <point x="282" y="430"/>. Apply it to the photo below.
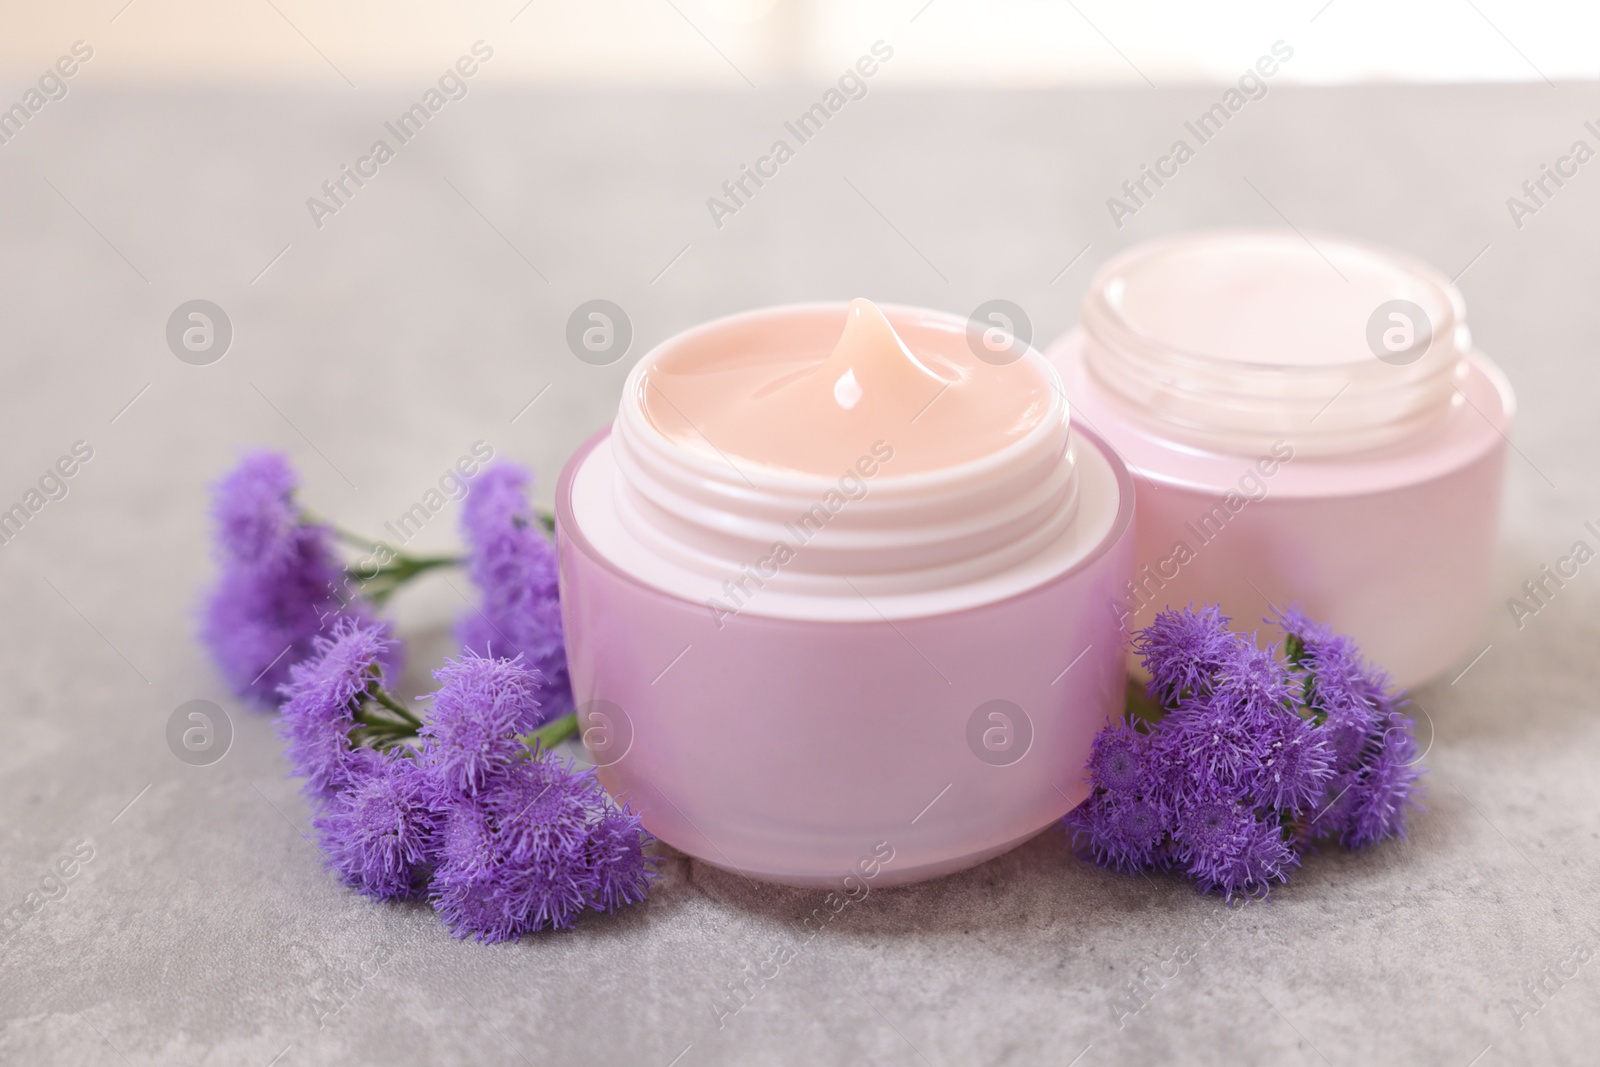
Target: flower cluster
<point x="466" y="806"/>
<point x="514" y="564"/>
<point x="526" y="842"/>
<point x="462" y="807"/>
<point x="280" y="580"/>
<point x="1373" y="744"/>
<point x="1249" y="757"/>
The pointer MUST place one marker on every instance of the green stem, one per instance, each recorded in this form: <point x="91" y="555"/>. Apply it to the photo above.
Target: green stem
<point x="383" y="697"/>
<point x="403" y="569"/>
<point x="353" y="539"/>
<point x="385" y="731"/>
<point x="349" y="537"/>
<point x="379" y="585"/>
<point x="369" y="718"/>
<point x="1140" y="708"/>
<point x="382" y="721"/>
<point x="553" y="731"/>
<point x="366" y="737"/>
<point x="409" y="565"/>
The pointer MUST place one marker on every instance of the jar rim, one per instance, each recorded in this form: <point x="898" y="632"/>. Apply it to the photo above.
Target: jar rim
<point x="941" y="528"/>
<point x="1233" y="402"/>
<point x="792" y="480"/>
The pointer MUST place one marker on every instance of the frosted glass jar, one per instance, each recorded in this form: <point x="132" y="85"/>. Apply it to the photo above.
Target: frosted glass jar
<point x="911" y="691"/>
<point x="1305" y="420"/>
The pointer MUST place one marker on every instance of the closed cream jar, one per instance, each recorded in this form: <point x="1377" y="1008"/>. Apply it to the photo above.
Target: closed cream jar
<point x="835" y="587"/>
<point x="1305" y="420"/>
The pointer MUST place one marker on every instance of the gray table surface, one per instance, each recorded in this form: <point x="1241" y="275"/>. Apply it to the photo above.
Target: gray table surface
<point x="429" y="312"/>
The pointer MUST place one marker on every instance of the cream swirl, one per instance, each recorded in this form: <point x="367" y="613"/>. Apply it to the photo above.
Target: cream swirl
<point x="828" y="457"/>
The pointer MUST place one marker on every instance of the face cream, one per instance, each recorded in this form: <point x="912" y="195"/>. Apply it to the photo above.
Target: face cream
<point x="834" y="585"/>
<point x="1305" y="421"/>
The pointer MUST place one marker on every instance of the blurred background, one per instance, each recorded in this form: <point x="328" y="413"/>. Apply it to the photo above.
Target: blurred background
<point x="725" y="42"/>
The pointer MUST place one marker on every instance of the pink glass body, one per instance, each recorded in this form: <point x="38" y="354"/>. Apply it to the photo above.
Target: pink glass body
<point x="1394" y="547"/>
<point x="802" y="752"/>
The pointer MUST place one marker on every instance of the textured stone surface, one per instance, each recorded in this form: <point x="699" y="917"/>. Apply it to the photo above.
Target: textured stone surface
<point x="430" y="311"/>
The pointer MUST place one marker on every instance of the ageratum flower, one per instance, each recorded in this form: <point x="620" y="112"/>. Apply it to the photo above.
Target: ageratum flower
<point x="380" y="832"/>
<point x="255" y="512"/>
<point x="1183" y="650"/>
<point x="1123" y="832"/>
<point x="1293" y="765"/>
<point x="1214" y="742"/>
<point x="321" y="698"/>
<point x="1254" y="757"/>
<point x="1119" y="761"/>
<point x="615" y="854"/>
<point x="1126" y="818"/>
<point x="1251" y="683"/>
<point x="514" y="566"/>
<point x="1226" y="848"/>
<point x="1372" y="744"/>
<point x="471" y="733"/>
<point x="278" y="581"/>
<point x="533" y="850"/>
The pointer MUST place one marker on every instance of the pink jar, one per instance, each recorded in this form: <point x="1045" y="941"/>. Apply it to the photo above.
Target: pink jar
<point x="912" y="689"/>
<point x="1305" y="420"/>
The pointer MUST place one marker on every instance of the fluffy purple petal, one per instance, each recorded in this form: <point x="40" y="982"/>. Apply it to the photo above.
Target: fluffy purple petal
<point x="320" y="699"/>
<point x="1371" y="744"/>
<point x="255" y="512"/>
<point x="1293" y="767"/>
<point x="380" y="833"/>
<point x="1213" y="743"/>
<point x="1254" y="757"/>
<point x="1119" y="762"/>
<point x="471" y="732"/>
<point x="533" y="850"/>
<point x="615" y="853"/>
<point x="1226" y="849"/>
<point x="280" y="583"/>
<point x="1368" y="802"/>
<point x="1183" y="651"/>
<point x="514" y="566"/>
<point x="1120" y="831"/>
<point x="1252" y="683"/>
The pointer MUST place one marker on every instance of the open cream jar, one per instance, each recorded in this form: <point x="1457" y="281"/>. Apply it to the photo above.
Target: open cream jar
<point x="836" y="589"/>
<point x="1306" y="420"/>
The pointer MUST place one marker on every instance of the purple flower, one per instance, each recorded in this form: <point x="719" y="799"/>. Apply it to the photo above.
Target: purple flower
<point x="255" y="511"/>
<point x="320" y="700"/>
<point x="1342" y="696"/>
<point x="471" y="734"/>
<point x="1118" y="761"/>
<point x="1371" y="744"/>
<point x="1184" y="650"/>
<point x="533" y="850"/>
<point x="1121" y="832"/>
<point x="1125" y="820"/>
<point x="259" y="623"/>
<point x="1211" y="741"/>
<point x="278" y="584"/>
<point x="1253" y="758"/>
<point x="615" y="853"/>
<point x="1367" y="803"/>
<point x="1226" y="849"/>
<point x="1252" y="683"/>
<point x="514" y="565"/>
<point x="380" y="832"/>
<point x="1294" y="765"/>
